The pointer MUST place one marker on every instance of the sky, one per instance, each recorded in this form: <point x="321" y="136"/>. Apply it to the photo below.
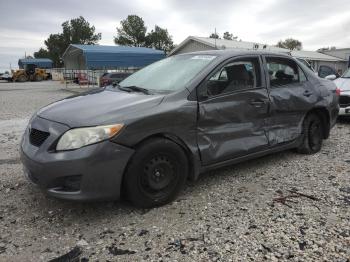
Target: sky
<point x="316" y="23"/>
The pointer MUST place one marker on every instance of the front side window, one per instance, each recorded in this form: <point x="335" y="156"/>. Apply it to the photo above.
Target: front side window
<point x="170" y="74"/>
<point x="234" y="76"/>
<point x="282" y="71"/>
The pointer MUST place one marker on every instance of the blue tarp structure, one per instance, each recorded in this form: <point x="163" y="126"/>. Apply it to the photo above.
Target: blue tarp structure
<point x="39" y="62"/>
<point x="109" y="57"/>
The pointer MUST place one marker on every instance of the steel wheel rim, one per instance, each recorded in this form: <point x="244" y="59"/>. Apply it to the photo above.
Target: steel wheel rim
<point x="159" y="176"/>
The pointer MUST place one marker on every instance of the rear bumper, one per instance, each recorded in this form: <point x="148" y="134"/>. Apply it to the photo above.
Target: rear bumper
<point x="344" y="111"/>
<point x="90" y="173"/>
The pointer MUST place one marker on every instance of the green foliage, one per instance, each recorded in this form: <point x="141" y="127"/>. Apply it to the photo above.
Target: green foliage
<point x="229" y="36"/>
<point x="214" y="35"/>
<point x="160" y="39"/>
<point x="75" y="31"/>
<point x="132" y="32"/>
<point x="290" y="43"/>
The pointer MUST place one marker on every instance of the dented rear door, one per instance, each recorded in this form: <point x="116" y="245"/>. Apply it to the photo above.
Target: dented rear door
<point x="291" y="96"/>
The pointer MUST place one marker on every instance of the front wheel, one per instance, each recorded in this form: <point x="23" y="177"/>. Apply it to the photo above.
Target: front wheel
<point x="312" y="136"/>
<point x="38" y="78"/>
<point x="22" y="78"/>
<point x="156" y="173"/>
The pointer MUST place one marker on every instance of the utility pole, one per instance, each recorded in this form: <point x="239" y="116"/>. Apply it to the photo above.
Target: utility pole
<point x="215" y="37"/>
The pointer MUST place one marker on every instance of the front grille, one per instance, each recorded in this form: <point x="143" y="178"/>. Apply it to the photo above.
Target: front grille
<point x="344" y="101"/>
<point x="37" y="137"/>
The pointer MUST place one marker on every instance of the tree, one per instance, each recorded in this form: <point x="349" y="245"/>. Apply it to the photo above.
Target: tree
<point x="160" y="39"/>
<point x="229" y="36"/>
<point x="42" y="53"/>
<point x="132" y="32"/>
<point x="214" y="35"/>
<point x="75" y="31"/>
<point x="290" y="43"/>
<point x="79" y="31"/>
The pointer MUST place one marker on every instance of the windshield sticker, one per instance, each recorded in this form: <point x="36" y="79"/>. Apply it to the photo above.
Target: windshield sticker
<point x="203" y="57"/>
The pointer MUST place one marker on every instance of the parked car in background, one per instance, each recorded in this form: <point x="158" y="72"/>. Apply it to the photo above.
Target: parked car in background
<point x="174" y="120"/>
<point x="343" y="83"/>
<point x="110" y="78"/>
<point x="325" y="71"/>
<point x="6" y="76"/>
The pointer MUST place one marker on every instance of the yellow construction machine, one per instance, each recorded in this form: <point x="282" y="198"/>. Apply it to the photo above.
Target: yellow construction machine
<point x="29" y="73"/>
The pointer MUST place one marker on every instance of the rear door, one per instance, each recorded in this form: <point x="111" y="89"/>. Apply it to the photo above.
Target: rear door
<point x="291" y="95"/>
<point x="233" y="105"/>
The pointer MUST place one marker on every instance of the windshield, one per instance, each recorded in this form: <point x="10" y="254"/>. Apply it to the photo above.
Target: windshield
<point x="346" y="74"/>
<point x="170" y="74"/>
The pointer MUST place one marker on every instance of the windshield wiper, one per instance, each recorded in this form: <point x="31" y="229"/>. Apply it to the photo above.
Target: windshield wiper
<point x="134" y="88"/>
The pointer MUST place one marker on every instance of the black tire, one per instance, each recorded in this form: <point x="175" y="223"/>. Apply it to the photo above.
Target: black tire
<point x="156" y="173"/>
<point x="38" y="78"/>
<point x="312" y="136"/>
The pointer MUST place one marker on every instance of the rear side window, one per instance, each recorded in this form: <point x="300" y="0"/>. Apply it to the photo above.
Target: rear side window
<point x="234" y="76"/>
<point x="282" y="71"/>
<point x="325" y="71"/>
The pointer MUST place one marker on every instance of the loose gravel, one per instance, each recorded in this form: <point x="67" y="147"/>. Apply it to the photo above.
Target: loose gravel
<point x="281" y="207"/>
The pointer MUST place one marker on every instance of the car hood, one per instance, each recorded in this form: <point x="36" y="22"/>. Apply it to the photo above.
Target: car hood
<point x="343" y="83"/>
<point x="99" y="107"/>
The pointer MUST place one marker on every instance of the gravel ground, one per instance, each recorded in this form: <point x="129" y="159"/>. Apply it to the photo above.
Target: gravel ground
<point x="232" y="214"/>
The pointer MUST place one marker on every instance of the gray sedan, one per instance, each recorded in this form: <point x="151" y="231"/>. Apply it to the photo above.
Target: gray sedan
<point x="173" y="120"/>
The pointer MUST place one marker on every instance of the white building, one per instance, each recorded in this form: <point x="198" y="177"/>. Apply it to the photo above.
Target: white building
<point x="316" y="59"/>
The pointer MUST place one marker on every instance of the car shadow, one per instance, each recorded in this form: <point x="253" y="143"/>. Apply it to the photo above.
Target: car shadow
<point x="343" y="120"/>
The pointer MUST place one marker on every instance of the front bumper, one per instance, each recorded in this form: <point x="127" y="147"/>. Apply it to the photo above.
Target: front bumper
<point x="92" y="172"/>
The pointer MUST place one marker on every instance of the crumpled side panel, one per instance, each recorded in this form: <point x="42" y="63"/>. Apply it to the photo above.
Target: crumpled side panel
<point x="231" y="126"/>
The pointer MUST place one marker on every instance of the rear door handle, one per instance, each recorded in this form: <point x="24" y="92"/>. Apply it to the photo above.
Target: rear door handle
<point x="257" y="103"/>
<point x="307" y="93"/>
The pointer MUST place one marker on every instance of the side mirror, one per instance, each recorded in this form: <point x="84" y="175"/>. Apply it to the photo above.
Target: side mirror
<point x="331" y="77"/>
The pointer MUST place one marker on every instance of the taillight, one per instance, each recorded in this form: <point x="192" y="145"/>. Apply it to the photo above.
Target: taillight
<point x="337" y="91"/>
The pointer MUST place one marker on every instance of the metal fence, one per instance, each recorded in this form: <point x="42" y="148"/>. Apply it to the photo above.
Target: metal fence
<point x="82" y="78"/>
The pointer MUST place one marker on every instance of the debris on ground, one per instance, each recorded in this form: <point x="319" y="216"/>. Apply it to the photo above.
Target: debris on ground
<point x="71" y="256"/>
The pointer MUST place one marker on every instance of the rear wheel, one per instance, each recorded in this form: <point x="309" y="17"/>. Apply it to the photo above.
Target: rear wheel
<point x="312" y="136"/>
<point x="156" y="173"/>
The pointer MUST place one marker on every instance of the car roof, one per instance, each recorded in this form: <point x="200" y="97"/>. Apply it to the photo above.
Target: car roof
<point x="227" y="53"/>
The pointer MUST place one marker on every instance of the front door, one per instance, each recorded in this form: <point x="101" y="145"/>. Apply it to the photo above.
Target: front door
<point x="233" y="105"/>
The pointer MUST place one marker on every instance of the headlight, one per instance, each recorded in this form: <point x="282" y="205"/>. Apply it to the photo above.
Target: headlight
<point x="79" y="137"/>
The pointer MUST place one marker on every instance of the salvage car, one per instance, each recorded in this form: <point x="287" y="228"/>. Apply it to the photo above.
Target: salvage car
<point x="343" y="83"/>
<point x="172" y="121"/>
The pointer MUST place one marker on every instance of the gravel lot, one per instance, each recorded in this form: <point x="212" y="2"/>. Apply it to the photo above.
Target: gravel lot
<point x="232" y="214"/>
